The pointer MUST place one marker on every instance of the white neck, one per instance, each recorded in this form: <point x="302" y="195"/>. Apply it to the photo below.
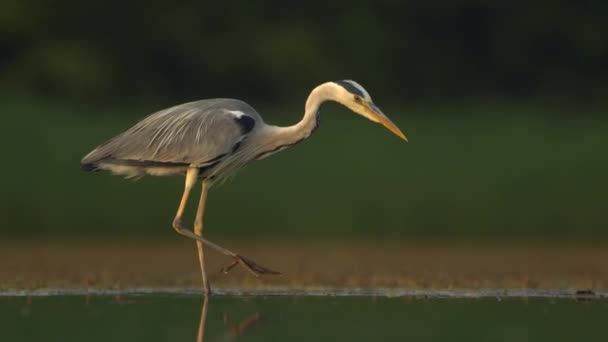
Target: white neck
<point x="310" y="121"/>
<point x="279" y="138"/>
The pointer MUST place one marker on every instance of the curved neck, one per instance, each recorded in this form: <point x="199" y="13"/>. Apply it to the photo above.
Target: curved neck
<point x="310" y="121"/>
<point x="279" y="138"/>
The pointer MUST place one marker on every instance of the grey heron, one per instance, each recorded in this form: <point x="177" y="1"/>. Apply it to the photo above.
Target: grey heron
<point x="212" y="139"/>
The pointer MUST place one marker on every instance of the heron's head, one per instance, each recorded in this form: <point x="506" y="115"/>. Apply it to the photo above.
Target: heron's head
<point x="356" y="98"/>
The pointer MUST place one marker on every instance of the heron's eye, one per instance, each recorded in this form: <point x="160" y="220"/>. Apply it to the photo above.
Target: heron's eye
<point x="357" y="99"/>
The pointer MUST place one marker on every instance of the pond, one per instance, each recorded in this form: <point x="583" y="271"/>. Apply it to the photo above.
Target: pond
<point x="283" y="318"/>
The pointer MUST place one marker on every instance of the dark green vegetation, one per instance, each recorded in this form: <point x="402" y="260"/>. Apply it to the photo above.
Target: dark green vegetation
<point x="73" y="74"/>
<point x="487" y="172"/>
<point x="175" y="318"/>
<point x="495" y="171"/>
<point x="113" y="51"/>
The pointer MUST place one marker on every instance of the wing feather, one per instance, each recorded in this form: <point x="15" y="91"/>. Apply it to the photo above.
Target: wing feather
<point x="192" y="133"/>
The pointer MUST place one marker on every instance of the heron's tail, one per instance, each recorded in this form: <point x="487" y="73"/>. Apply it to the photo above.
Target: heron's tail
<point x="90" y="162"/>
<point x="89" y="167"/>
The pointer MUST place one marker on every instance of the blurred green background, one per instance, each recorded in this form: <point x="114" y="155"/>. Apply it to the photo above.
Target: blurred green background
<point x="504" y="104"/>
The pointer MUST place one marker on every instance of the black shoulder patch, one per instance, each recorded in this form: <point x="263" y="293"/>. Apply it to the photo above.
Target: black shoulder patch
<point x="350" y="88"/>
<point x="246" y="123"/>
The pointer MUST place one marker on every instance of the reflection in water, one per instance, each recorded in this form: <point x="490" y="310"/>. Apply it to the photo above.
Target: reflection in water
<point x="234" y="329"/>
<point x="353" y="319"/>
<point x="201" y="324"/>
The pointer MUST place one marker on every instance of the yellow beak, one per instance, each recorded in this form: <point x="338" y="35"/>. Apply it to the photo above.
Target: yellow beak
<point x="379" y="117"/>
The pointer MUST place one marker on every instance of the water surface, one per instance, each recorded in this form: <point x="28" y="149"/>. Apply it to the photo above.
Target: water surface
<point x="179" y="318"/>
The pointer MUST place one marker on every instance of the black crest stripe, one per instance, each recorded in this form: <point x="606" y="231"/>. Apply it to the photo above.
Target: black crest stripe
<point x="350" y="88"/>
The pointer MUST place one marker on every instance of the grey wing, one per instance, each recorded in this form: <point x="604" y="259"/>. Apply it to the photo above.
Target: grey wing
<point x="194" y="133"/>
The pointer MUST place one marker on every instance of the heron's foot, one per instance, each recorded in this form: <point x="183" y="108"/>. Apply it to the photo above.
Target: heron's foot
<point x="249" y="265"/>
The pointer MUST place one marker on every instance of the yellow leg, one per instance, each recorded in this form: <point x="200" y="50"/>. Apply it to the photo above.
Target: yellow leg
<point x="191" y="175"/>
<point x="250" y="265"/>
<point x="198" y="230"/>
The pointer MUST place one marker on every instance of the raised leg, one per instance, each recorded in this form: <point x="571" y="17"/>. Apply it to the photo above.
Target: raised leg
<point x="250" y="265"/>
<point x="191" y="175"/>
<point x="198" y="230"/>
